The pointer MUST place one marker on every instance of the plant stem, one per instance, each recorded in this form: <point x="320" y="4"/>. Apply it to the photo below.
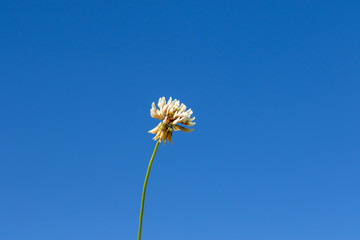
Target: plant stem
<point x="144" y="189"/>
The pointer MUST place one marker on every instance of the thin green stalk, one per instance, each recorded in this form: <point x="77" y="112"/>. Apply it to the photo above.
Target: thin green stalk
<point x="144" y="189"/>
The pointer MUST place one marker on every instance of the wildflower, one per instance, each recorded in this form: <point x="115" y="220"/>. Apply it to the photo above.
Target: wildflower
<point x="171" y="114"/>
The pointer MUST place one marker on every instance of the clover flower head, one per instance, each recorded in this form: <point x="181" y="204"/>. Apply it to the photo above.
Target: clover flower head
<point x="171" y="113"/>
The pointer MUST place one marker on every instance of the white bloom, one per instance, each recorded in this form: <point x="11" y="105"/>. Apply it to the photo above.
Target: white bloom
<point x="171" y="114"/>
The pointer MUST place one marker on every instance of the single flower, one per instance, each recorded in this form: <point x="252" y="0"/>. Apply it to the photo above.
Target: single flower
<point x="171" y="114"/>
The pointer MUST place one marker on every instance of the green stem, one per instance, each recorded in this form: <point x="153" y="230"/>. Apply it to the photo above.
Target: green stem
<point x="144" y="189"/>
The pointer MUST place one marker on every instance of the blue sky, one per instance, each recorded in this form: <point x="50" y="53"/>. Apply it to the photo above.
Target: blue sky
<point x="274" y="86"/>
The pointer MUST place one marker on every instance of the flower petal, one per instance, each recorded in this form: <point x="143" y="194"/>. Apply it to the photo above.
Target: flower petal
<point x="178" y="127"/>
<point x="155" y="129"/>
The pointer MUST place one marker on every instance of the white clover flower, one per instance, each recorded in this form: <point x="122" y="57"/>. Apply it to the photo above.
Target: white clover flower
<point x="171" y="114"/>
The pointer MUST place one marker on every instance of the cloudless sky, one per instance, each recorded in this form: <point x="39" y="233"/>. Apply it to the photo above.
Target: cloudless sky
<point x="274" y="86"/>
